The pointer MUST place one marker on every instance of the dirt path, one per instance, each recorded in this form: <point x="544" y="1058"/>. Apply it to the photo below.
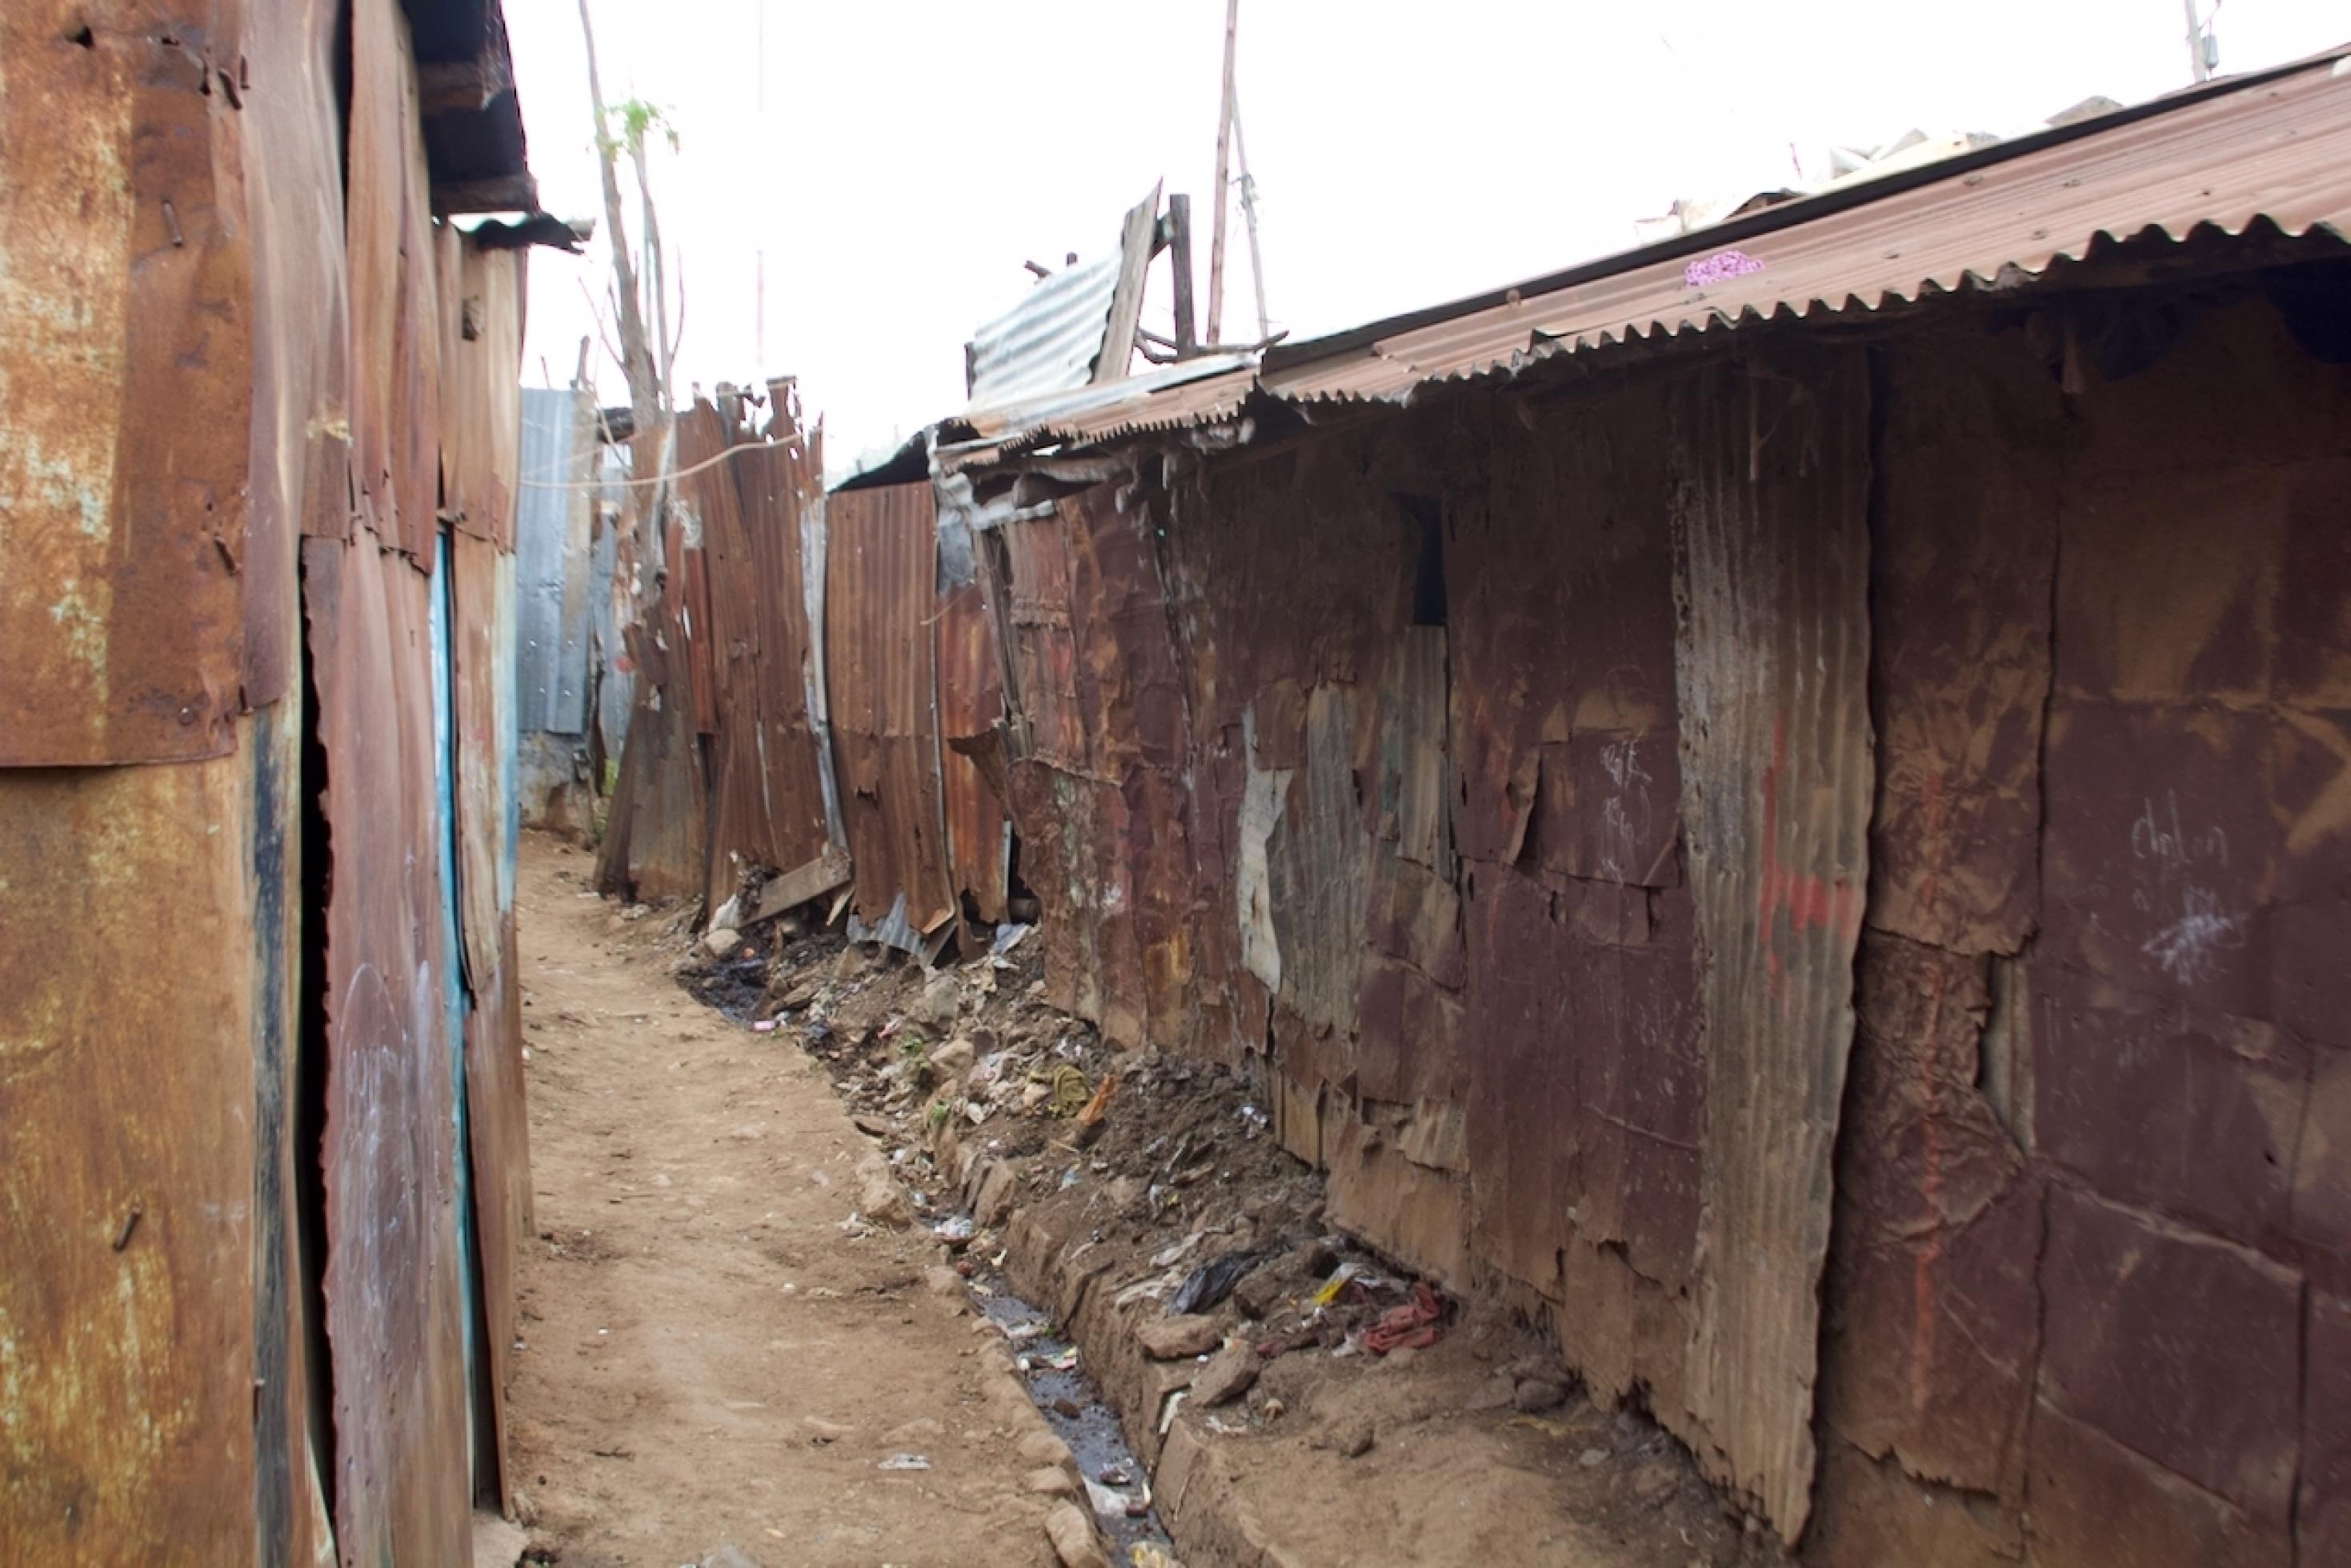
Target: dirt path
<point x="692" y="1306"/>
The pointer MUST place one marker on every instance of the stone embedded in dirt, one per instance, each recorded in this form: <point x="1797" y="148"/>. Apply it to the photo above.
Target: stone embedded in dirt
<point x="880" y="1198"/>
<point x="1652" y="1482"/>
<point x="1173" y="1338"/>
<point x="1258" y="1294"/>
<point x="942" y="998"/>
<point x="1593" y="1458"/>
<point x="1042" y="1446"/>
<point x="1401" y="1356"/>
<point x="916" y="1433"/>
<point x="1495" y="1394"/>
<point x="1355" y="1438"/>
<point x="941" y="1280"/>
<point x="800" y="996"/>
<point x="872" y="1127"/>
<point x="992" y="1205"/>
<point x="1226" y="1376"/>
<point x="1535" y="1394"/>
<point x="730" y="1556"/>
<point x="1068" y="1408"/>
<point x="718" y="944"/>
<point x="1073" y="1535"/>
<point x="1048" y="1480"/>
<point x="952" y="1060"/>
<point x="822" y="1431"/>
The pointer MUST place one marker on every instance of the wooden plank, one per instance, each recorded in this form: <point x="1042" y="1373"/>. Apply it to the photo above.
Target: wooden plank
<point x="1771" y="576"/>
<point x="797" y="886"/>
<point x="1126" y="299"/>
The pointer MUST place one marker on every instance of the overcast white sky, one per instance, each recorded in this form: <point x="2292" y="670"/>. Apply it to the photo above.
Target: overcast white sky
<point x="906" y="155"/>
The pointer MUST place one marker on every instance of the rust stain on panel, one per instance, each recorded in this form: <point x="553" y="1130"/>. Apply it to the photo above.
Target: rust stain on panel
<point x="298" y="464"/>
<point x="766" y="791"/>
<point x="656" y="840"/>
<point x="125" y="389"/>
<point x="483" y="643"/>
<point x="127" y="1429"/>
<point x="481" y="303"/>
<point x="1771" y="574"/>
<point x="1962" y="565"/>
<point x="396" y="325"/>
<point x="1934" y="1311"/>
<point x="882" y="572"/>
<point x="782" y="488"/>
<point x="971" y="703"/>
<point x="393" y="1306"/>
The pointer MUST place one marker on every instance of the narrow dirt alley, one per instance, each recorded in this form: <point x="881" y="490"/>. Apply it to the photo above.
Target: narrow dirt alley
<point x="710" y="1357"/>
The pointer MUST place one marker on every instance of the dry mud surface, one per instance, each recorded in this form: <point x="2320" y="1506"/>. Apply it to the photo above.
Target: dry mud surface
<point x="720" y="1286"/>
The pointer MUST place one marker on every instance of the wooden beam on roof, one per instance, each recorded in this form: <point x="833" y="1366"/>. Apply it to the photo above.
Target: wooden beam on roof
<point x="464" y="86"/>
<point x="502" y="193"/>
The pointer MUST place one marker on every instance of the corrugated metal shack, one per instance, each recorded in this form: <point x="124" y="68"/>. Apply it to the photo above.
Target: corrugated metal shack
<point x="262" y="1144"/>
<point x="574" y="698"/>
<point x="1781" y="800"/>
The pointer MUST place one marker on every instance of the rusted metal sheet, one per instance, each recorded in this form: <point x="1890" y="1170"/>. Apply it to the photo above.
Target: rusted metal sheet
<point x="1964" y="559"/>
<point x="483" y="605"/>
<point x="481" y="308"/>
<point x="1933" y="1306"/>
<point x="125" y="429"/>
<point x="300" y="468"/>
<point x="394" y="1324"/>
<point x="1772" y="659"/>
<point x="880" y="588"/>
<point x="656" y="839"/>
<point x="971" y="705"/>
<point x="724" y="633"/>
<point x="1044" y="662"/>
<point x="498" y="1125"/>
<point x="128" y="1421"/>
<point x="767" y="805"/>
<point x="782" y="489"/>
<point x="394" y="289"/>
<point x="2274" y="146"/>
<point x="687" y="600"/>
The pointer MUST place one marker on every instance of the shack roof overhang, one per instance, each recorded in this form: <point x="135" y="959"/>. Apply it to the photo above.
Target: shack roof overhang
<point x="473" y="120"/>
<point x="2270" y="149"/>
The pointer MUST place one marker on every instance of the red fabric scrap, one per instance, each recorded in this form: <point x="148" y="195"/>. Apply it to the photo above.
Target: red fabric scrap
<point x="1412" y="1327"/>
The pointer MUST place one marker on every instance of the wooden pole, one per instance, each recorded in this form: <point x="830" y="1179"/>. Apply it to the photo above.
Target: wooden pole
<point x="1248" y="215"/>
<point x="1179" y="262"/>
<point x="1224" y="154"/>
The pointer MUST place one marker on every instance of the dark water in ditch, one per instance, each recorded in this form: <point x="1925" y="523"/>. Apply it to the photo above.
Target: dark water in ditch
<point x="1092" y="1432"/>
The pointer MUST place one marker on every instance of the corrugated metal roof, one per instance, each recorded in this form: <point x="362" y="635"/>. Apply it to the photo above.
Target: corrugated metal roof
<point x="1050" y="340"/>
<point x="2276" y="146"/>
<point x="1172" y="396"/>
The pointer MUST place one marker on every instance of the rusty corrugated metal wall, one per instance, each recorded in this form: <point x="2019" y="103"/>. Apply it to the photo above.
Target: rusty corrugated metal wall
<point x="881" y="597"/>
<point x="1561" y="787"/>
<point x="223" y="922"/>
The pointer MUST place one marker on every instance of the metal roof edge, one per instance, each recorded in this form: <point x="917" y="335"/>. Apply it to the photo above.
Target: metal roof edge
<point x="1774" y="219"/>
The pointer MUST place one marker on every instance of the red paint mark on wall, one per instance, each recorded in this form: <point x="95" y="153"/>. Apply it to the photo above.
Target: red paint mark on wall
<point x="1810" y="901"/>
